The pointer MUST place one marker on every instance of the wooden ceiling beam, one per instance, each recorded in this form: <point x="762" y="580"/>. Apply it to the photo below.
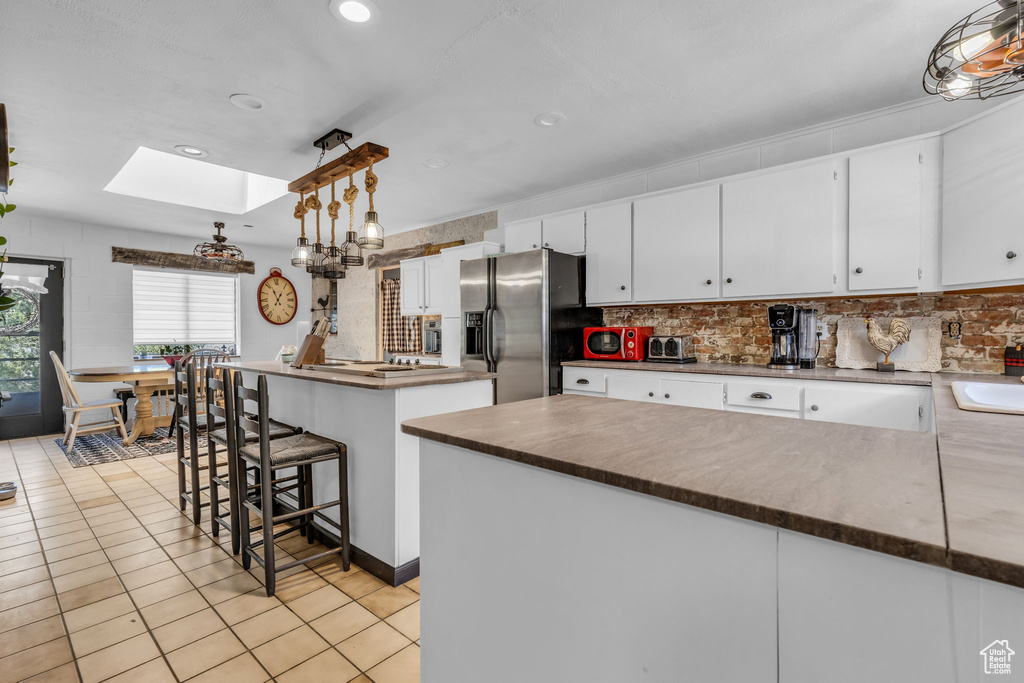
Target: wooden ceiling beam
<point x="350" y="162"/>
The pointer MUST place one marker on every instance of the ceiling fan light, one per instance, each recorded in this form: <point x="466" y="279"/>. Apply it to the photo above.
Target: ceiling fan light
<point x="955" y="86"/>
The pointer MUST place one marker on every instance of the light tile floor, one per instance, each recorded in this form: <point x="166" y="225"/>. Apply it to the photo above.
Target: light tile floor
<point x="103" y="579"/>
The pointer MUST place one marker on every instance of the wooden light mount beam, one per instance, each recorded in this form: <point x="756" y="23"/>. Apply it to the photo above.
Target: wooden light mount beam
<point x="350" y="162"/>
<point x="5" y="158"/>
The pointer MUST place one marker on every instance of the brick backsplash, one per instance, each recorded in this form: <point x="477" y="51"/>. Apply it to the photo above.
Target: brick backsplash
<point x="737" y="332"/>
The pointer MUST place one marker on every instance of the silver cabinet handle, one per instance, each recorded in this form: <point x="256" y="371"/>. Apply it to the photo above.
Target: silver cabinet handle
<point x="858" y="271"/>
<point x="650" y="393"/>
<point x="1011" y="255"/>
<point x="814" y="408"/>
<point x="583" y="381"/>
<point x="761" y="395"/>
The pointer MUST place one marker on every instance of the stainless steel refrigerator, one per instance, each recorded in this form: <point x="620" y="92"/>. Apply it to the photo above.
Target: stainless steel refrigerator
<point x="522" y="315"/>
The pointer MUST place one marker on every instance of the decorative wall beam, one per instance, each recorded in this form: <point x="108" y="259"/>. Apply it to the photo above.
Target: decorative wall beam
<point x="163" y="259"/>
<point x="350" y="162"/>
<point x="390" y="259"/>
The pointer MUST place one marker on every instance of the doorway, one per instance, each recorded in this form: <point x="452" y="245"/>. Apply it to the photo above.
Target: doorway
<point x="28" y="332"/>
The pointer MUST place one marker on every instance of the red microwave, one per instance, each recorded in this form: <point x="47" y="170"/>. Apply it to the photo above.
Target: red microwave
<point x="616" y="343"/>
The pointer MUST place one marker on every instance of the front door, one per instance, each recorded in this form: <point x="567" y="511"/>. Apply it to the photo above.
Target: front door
<point x="28" y="332"/>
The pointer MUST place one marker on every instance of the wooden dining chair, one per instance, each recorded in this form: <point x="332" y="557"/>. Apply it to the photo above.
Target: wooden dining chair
<point x="74" y="407"/>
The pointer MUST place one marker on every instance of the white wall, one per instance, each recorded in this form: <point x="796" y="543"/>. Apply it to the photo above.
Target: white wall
<point x="98" y="292"/>
<point x="873" y="128"/>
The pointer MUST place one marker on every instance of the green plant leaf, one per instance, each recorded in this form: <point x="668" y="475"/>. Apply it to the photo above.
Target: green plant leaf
<point x="13" y="163"/>
<point x="2" y="210"/>
<point x="10" y="207"/>
<point x="3" y="241"/>
<point x="10" y="150"/>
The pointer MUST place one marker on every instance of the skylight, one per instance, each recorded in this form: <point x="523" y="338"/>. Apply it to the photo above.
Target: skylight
<point x="164" y="177"/>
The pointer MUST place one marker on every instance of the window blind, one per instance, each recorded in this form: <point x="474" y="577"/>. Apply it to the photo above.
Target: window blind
<point x="183" y="307"/>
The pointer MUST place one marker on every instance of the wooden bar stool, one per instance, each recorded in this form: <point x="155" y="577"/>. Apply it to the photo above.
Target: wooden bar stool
<point x="188" y="418"/>
<point x="300" y="451"/>
<point x="218" y="386"/>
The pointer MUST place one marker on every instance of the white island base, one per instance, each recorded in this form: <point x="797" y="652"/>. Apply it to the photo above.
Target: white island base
<point x="383" y="462"/>
<point x="532" y="575"/>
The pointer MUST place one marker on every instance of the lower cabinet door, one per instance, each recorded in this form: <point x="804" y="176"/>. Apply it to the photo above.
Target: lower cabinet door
<point x="709" y="395"/>
<point x="890" y="407"/>
<point x="635" y="386"/>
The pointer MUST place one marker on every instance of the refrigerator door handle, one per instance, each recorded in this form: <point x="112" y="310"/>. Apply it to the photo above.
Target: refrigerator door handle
<point x="489" y="338"/>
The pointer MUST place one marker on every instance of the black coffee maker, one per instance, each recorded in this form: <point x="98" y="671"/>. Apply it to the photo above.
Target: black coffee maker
<point x="794" y="337"/>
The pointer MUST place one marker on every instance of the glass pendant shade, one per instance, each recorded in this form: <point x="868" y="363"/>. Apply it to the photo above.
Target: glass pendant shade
<point x="373" y="232"/>
<point x="300" y="254"/>
<point x="351" y="255"/>
<point x="334" y="269"/>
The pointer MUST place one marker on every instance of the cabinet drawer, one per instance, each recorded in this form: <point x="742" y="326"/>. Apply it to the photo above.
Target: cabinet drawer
<point x="590" y="380"/>
<point x="693" y="394"/>
<point x="635" y="386"/>
<point x="763" y="396"/>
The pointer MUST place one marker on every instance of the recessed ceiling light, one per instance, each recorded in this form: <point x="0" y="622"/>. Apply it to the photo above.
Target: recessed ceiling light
<point x="190" y="151"/>
<point x="356" y="11"/>
<point x="247" y="102"/>
<point x="435" y="163"/>
<point x="552" y="118"/>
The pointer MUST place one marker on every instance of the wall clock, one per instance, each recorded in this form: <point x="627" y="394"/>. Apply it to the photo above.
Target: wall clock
<point x="276" y="298"/>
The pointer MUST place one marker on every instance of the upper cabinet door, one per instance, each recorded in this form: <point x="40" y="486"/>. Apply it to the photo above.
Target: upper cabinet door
<point x="523" y="236"/>
<point x="778" y="232"/>
<point x="412" y="286"/>
<point x="675" y="246"/>
<point x="565" y="233"/>
<point x="434" y="286"/>
<point x="885" y="218"/>
<point x="982" y="168"/>
<point x="609" y="254"/>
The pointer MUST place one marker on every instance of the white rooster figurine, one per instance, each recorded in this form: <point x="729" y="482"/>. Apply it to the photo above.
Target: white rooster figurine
<point x="899" y="333"/>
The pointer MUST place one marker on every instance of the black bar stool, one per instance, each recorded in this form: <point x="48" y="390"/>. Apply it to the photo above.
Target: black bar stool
<point x="189" y="419"/>
<point x="218" y="386"/>
<point x="300" y="451"/>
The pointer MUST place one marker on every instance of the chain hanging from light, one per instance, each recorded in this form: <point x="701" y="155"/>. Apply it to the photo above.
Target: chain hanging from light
<point x="315" y="266"/>
<point x="300" y="254"/>
<point x="219" y="249"/>
<point x="334" y="268"/>
<point x="372" y="232"/>
<point x="351" y="254"/>
<point x="981" y="56"/>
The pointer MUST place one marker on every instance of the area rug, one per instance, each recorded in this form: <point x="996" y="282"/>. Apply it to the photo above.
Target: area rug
<point x="94" y="449"/>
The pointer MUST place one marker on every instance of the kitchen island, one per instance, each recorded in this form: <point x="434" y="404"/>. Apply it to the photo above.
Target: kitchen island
<point x="365" y="413"/>
<point x="633" y="541"/>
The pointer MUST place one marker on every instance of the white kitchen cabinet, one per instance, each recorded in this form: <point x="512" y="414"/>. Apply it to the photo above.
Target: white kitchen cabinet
<point x="565" y="233"/>
<point x="413" y="285"/>
<point x="523" y="236"/>
<point x="676" y="246"/>
<point x="894" y="407"/>
<point x="982" y="167"/>
<point x="679" y="392"/>
<point x="447" y="299"/>
<point x="778" y="231"/>
<point x="451" y="341"/>
<point x="656" y="388"/>
<point x="634" y="386"/>
<point x="885" y="218"/>
<point x="433" y="285"/>
<point x="609" y="254"/>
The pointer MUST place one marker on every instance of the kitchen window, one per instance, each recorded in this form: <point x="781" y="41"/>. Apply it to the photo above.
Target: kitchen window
<point x="176" y="312"/>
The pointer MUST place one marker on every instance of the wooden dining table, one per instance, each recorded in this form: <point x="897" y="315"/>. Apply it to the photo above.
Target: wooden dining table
<point x="145" y="379"/>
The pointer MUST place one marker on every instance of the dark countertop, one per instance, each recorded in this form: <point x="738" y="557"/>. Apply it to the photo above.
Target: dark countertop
<point x="874" y="488"/>
<point x="832" y="374"/>
<point x="273" y="367"/>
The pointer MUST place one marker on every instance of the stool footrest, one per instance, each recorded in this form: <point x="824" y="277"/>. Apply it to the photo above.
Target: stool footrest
<point x="305" y="512"/>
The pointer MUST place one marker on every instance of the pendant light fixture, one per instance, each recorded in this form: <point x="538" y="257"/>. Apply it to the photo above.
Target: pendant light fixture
<point x="372" y="232"/>
<point x="981" y="56"/>
<point x="300" y="254"/>
<point x="334" y="269"/>
<point x="351" y="254"/>
<point x="315" y="265"/>
<point x="219" y="249"/>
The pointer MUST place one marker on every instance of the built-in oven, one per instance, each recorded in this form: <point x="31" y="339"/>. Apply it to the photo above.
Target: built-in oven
<point x="432" y="336"/>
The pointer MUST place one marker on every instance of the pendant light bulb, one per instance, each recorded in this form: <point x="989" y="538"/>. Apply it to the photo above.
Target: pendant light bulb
<point x="300" y="254"/>
<point x="373" y="232"/>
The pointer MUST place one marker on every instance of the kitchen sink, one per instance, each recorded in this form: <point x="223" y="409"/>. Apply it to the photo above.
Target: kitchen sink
<point x="990" y="397"/>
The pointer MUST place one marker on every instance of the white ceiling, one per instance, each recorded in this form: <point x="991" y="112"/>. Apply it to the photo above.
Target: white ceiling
<point x="642" y="82"/>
